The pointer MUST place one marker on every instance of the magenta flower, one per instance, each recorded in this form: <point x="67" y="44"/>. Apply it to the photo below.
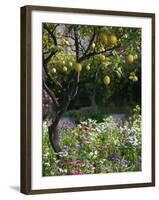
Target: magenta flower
<point x="74" y="172"/>
<point x="76" y="163"/>
<point x="72" y="163"/>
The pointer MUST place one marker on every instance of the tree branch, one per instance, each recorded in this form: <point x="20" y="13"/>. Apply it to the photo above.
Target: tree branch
<point x="76" y="43"/>
<point x="90" y="43"/>
<point x="99" y="52"/>
<point x="51" y="94"/>
<point x="46" y="60"/>
<point x="52" y="33"/>
<point x="82" y="46"/>
<point x="74" y="93"/>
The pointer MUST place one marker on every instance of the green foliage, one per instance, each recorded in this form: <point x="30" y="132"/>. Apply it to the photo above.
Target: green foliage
<point x="96" y="113"/>
<point x="96" y="147"/>
<point x="115" y="65"/>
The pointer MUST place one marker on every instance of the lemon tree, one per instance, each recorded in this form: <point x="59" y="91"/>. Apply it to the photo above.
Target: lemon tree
<point x="91" y="62"/>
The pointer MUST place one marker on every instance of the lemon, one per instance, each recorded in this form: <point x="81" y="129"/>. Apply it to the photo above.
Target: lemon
<point x="106" y="80"/>
<point x="112" y="40"/>
<point x="64" y="69"/>
<point x="93" y="45"/>
<point x="135" y="79"/>
<point x="70" y="64"/>
<point x="130" y="58"/>
<point x="131" y="77"/>
<point x="107" y="59"/>
<point x="53" y="70"/>
<point x="102" y="57"/>
<point x="78" y="67"/>
<point x="103" y="38"/>
<point x="135" y="57"/>
<point x="88" y="67"/>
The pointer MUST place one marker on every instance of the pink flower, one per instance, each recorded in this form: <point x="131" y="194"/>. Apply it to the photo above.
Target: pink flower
<point x="74" y="172"/>
<point x="72" y="163"/>
<point x="76" y="163"/>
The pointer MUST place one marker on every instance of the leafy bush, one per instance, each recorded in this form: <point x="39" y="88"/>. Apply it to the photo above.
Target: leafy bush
<point x="96" y="147"/>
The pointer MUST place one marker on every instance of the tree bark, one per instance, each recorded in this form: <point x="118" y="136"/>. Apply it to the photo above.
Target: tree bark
<point x="54" y="138"/>
<point x="53" y="128"/>
<point x="54" y="135"/>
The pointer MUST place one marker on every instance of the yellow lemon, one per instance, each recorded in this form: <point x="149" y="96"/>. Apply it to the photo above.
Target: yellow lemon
<point x="131" y="77"/>
<point x="88" y="67"/>
<point x="103" y="38"/>
<point x="64" y="69"/>
<point x="130" y="58"/>
<point x="102" y="57"/>
<point x="135" y="79"/>
<point x="107" y="59"/>
<point x="112" y="40"/>
<point x="78" y="67"/>
<point x="93" y="45"/>
<point x="106" y="80"/>
<point x="63" y="62"/>
<point x="53" y="70"/>
<point x="135" y="57"/>
<point x="70" y="64"/>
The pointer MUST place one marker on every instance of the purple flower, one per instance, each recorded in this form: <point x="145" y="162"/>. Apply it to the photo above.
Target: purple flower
<point x="120" y="147"/>
<point x="114" y="156"/>
<point x="124" y="162"/>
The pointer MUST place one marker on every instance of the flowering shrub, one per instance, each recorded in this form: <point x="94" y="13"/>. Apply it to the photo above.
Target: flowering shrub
<point x="91" y="147"/>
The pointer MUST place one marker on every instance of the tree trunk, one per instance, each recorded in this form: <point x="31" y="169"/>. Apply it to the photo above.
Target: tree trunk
<point x="93" y="97"/>
<point x="53" y="129"/>
<point x="53" y="133"/>
<point x="54" y="138"/>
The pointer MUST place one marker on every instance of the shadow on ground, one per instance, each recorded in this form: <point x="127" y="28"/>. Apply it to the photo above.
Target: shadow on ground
<point x="15" y="188"/>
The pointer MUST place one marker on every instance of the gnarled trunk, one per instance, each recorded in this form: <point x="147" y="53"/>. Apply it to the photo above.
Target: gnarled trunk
<point x="54" y="138"/>
<point x="54" y="135"/>
<point x="53" y="129"/>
